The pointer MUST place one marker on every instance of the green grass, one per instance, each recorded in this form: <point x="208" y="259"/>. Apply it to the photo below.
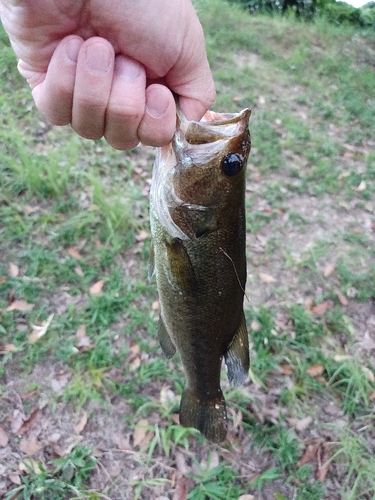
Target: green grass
<point x="310" y="203"/>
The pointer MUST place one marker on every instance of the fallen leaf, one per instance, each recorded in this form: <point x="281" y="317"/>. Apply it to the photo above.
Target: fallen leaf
<point x="323" y="462"/>
<point x="13" y="270"/>
<point x="361" y="187"/>
<point x="78" y="271"/>
<point x="82" y="423"/>
<point x="181" y="489"/>
<point x="74" y="252"/>
<point x="309" y="304"/>
<point x="255" y="326"/>
<point x="320" y="309"/>
<point x="3" y="280"/>
<point x="30" y="422"/>
<point x="341" y="357"/>
<point x="303" y="423"/>
<point x="30" y="446"/>
<point x="96" y="287"/>
<point x="328" y="270"/>
<point x="8" y="348"/>
<point x="266" y="278"/>
<point x="286" y="369"/>
<point x="315" y="370"/>
<point x="140" y="432"/>
<point x="310" y="453"/>
<point x="39" y="331"/>
<point x="343" y="300"/>
<point x="14" y="478"/>
<point x="4" y="439"/>
<point x="155" y="305"/>
<point x="20" y="305"/>
<point x="28" y="464"/>
<point x="246" y="497"/>
<point x="133" y="365"/>
<point x="369" y="373"/>
<point x="142" y="235"/>
<point x="30" y="210"/>
<point x="17" y="421"/>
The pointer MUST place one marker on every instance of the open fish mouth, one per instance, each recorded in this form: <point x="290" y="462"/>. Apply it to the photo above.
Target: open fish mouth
<point x="194" y="143"/>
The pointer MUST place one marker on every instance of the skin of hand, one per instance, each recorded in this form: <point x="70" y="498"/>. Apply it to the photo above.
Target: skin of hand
<point x="109" y="67"/>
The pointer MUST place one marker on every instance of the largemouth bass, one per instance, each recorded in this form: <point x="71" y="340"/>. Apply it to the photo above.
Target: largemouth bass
<point x="197" y="211"/>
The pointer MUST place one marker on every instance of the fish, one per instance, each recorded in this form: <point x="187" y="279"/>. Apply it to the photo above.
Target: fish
<point x="198" y="255"/>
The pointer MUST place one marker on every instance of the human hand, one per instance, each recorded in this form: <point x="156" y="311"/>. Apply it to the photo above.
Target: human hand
<point x="110" y="67"/>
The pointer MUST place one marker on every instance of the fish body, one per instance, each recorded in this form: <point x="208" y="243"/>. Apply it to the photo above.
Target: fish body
<point x="197" y="213"/>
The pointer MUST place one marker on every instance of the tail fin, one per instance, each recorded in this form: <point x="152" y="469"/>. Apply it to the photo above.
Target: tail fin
<point x="209" y="417"/>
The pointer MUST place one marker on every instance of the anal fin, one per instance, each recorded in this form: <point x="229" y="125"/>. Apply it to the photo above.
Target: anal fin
<point x="209" y="417"/>
<point x="165" y="340"/>
<point x="237" y="356"/>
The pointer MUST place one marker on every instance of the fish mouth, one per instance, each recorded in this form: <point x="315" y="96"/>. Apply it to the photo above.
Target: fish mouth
<point x="213" y="127"/>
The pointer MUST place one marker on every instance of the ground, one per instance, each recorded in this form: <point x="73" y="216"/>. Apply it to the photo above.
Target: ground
<point x="89" y="404"/>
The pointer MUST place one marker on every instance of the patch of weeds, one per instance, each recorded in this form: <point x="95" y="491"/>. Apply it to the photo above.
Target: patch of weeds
<point x="357" y="285"/>
<point x="306" y="489"/>
<point x="256" y="220"/>
<point x="269" y="475"/>
<point x="89" y="384"/>
<point x="349" y="378"/>
<point x="218" y="483"/>
<point x="355" y="455"/>
<point x="60" y="479"/>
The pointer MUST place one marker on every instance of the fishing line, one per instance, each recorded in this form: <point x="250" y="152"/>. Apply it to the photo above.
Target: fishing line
<point x="235" y="270"/>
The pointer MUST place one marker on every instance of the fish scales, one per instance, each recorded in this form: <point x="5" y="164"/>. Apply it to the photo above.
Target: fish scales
<point x="198" y="227"/>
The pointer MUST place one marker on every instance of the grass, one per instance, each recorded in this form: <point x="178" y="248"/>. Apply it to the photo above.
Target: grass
<point x="74" y="213"/>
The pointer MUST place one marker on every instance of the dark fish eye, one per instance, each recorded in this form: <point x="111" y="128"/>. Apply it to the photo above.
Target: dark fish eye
<point x="232" y="164"/>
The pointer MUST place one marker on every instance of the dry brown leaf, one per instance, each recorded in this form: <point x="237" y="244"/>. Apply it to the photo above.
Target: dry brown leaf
<point x="361" y="187"/>
<point x="7" y="348"/>
<point x="255" y="326"/>
<point x="30" y="422"/>
<point x="369" y="373"/>
<point x="20" y="305"/>
<point x="17" y="421"/>
<point x="133" y="365"/>
<point x="323" y="462"/>
<point x="82" y="423"/>
<point x="3" y="280"/>
<point x="96" y="287"/>
<point x="142" y="235"/>
<point x="28" y="464"/>
<point x="155" y="305"/>
<point x="74" y="252"/>
<point x="14" y="478"/>
<point x="286" y="369"/>
<point x="310" y="453"/>
<point x="320" y="309"/>
<point x="30" y="446"/>
<point x="81" y="332"/>
<point x="13" y="270"/>
<point x="140" y="432"/>
<point x="266" y="278"/>
<point x="343" y="300"/>
<point x="39" y="331"/>
<point x="4" y="439"/>
<point x="303" y="423"/>
<point x="309" y="304"/>
<point x="78" y="271"/>
<point x="246" y="497"/>
<point x="315" y="370"/>
<point x="181" y="490"/>
<point x="30" y="210"/>
<point x="328" y="270"/>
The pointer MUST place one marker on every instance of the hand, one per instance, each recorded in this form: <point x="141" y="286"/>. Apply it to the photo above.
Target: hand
<point x="109" y="67"/>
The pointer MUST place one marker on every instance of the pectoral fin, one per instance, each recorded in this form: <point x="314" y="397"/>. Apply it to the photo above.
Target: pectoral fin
<point x="237" y="356"/>
<point x="181" y="269"/>
<point x="166" y="343"/>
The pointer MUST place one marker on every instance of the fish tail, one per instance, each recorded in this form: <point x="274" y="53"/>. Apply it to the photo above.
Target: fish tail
<point x="209" y="417"/>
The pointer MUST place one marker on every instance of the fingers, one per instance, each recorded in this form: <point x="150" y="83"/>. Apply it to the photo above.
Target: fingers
<point x="103" y="95"/>
<point x="92" y="88"/>
<point x="54" y="95"/>
<point x="159" y="121"/>
<point x="126" y="103"/>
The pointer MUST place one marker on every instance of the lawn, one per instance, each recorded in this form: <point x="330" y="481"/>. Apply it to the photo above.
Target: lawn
<point x="89" y="405"/>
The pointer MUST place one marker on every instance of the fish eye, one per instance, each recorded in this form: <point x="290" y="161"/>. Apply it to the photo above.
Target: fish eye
<point x="232" y="164"/>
